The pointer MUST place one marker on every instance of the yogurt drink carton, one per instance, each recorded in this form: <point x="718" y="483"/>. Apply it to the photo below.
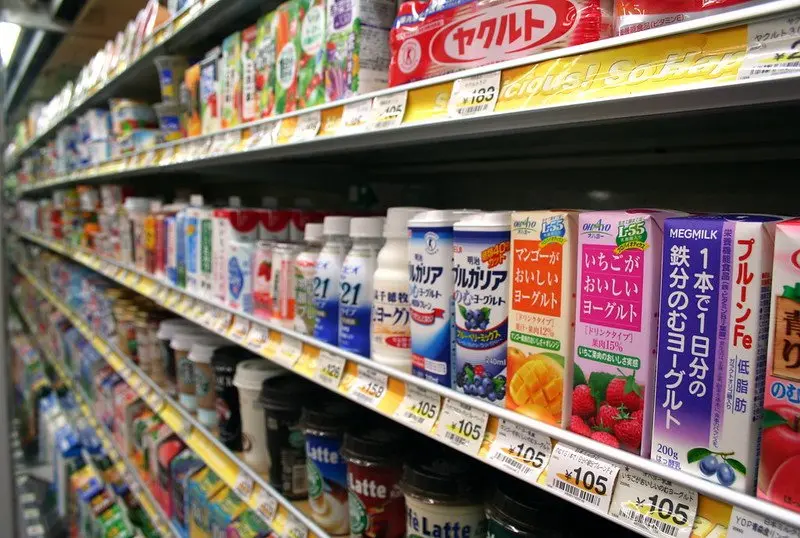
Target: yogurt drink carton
<point x="544" y="246"/>
<point x="230" y="224"/>
<point x="616" y="323"/>
<point x="779" y="467"/>
<point x="712" y="347"/>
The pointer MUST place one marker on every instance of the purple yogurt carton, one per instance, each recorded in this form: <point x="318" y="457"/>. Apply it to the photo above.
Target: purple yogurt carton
<point x="712" y="346"/>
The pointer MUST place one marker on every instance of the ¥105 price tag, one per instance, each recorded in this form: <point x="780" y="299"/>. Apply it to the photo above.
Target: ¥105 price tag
<point x="266" y="505"/>
<point x="243" y="486"/>
<point x="582" y="476"/>
<point x="388" y="111"/>
<point x="239" y="329"/>
<point x="330" y="369"/>
<point x="355" y="116"/>
<point x="520" y="451"/>
<point x="257" y="337"/>
<point x="419" y="409"/>
<point x="307" y="126"/>
<point x="290" y="351"/>
<point x="462" y="426"/>
<point x="744" y="524"/>
<point x="370" y="387"/>
<point x="473" y="96"/>
<point x="655" y="505"/>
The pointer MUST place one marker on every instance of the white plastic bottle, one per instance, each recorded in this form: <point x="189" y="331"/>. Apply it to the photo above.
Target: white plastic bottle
<point x="355" y="297"/>
<point x="305" y="265"/>
<point x="336" y="233"/>
<point x="391" y="328"/>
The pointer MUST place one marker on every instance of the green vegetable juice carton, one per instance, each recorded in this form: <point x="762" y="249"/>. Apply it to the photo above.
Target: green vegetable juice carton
<point x="357" y="46"/>
<point x="286" y="29"/>
<point x="716" y="275"/>
<point x="250" y="97"/>
<point x="779" y="467"/>
<point x="313" y="57"/>
<point x="265" y="65"/>
<point x="231" y="86"/>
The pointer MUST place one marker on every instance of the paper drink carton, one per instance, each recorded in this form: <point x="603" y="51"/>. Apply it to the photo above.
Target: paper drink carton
<point x="265" y="65"/>
<point x="250" y="97"/>
<point x="231" y="86"/>
<point x="313" y="56"/>
<point x="712" y="347"/>
<point x="286" y="27"/>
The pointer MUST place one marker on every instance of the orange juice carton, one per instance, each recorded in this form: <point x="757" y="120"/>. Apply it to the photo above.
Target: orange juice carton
<point x="286" y="28"/>
<point x="265" y="65"/>
<point x="231" y="86"/>
<point x="712" y="347"/>
<point x="250" y="97"/>
<point x="779" y="467"/>
<point x="616" y="324"/>
<point x="542" y="316"/>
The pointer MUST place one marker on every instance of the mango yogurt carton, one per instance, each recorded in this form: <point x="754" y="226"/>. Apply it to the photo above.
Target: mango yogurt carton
<point x="616" y="324"/>
<point x="712" y="347"/>
<point x="542" y="314"/>
<point x="779" y="466"/>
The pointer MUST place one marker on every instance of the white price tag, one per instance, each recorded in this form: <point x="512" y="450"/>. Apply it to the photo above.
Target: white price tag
<point x="125" y="372"/>
<point x="184" y="305"/>
<point x="35" y="531"/>
<point x="330" y="369"/>
<point x="243" y="486"/>
<point x="256" y="133"/>
<point x="27" y="498"/>
<point x="185" y="429"/>
<point x="168" y="156"/>
<point x="217" y="144"/>
<point x="233" y="139"/>
<point x="295" y="529"/>
<point x="744" y="524"/>
<point x="419" y="409"/>
<point x="266" y="505"/>
<point x="208" y="316"/>
<point x="223" y="320"/>
<point x="31" y="513"/>
<point x="655" y="505"/>
<point x="257" y="337"/>
<point x="155" y="402"/>
<point x="520" y="451"/>
<point x="149" y="158"/>
<point x="355" y="116"/>
<point x="582" y="476"/>
<point x="462" y="426"/>
<point x="136" y="383"/>
<point x="370" y="386"/>
<point x="308" y="125"/>
<point x="472" y="96"/>
<point x="18" y="454"/>
<point x="161" y="294"/>
<point x="773" y="48"/>
<point x="290" y="351"/>
<point x="172" y="299"/>
<point x="388" y="111"/>
<point x="239" y="329"/>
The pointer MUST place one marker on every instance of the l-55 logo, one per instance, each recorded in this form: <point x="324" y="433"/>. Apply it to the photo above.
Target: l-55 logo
<point x="503" y="30"/>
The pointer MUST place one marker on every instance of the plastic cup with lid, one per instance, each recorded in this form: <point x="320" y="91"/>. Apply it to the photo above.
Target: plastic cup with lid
<point x="181" y="344"/>
<point x="205" y="389"/>
<point x="166" y="330"/>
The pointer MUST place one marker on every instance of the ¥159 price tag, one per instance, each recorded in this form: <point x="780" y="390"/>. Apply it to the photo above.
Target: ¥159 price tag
<point x="307" y="126"/>
<point x="243" y="486"/>
<point x="473" y="96"/>
<point x="266" y="505"/>
<point x="462" y="426"/>
<point x="355" y="116"/>
<point x="239" y="329"/>
<point x="582" y="476"/>
<point x="520" y="451"/>
<point x="655" y="505"/>
<point x="419" y="409"/>
<point x="290" y="351"/>
<point x="370" y="386"/>
<point x="388" y="111"/>
<point x="745" y="524"/>
<point x="330" y="369"/>
<point x="257" y="337"/>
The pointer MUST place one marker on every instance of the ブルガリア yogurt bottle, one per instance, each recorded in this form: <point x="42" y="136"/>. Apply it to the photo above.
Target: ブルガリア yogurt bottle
<point x="326" y="277"/>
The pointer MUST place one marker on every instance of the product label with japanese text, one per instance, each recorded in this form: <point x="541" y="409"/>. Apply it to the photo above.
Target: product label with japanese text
<point x="391" y="330"/>
<point x="355" y="299"/>
<point x="326" y="292"/>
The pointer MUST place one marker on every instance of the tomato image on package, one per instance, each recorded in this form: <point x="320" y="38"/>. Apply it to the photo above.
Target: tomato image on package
<point x="712" y="346"/>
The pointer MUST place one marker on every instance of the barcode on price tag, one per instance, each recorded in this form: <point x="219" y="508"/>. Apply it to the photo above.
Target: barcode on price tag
<point x="419" y="409"/>
<point x="472" y="96"/>
<point x="243" y="486"/>
<point x="773" y="48"/>
<point x="520" y="450"/>
<point x="266" y="505"/>
<point x="388" y="111"/>
<point x="290" y="351"/>
<point x="745" y="524"/>
<point x="239" y="329"/>
<point x="330" y="369"/>
<point x="307" y="126"/>
<point x="582" y="476"/>
<point x="370" y="386"/>
<point x="355" y="116"/>
<point x="659" y="507"/>
<point x="257" y="337"/>
<point x="462" y="426"/>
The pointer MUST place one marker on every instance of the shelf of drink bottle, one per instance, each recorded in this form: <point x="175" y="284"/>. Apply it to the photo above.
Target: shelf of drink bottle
<point x="722" y="61"/>
<point x="538" y="453"/>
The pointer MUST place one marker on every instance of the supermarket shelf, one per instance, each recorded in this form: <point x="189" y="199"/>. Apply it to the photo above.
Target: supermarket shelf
<point x="361" y="122"/>
<point x="286" y="519"/>
<point x="124" y="465"/>
<point x="312" y="359"/>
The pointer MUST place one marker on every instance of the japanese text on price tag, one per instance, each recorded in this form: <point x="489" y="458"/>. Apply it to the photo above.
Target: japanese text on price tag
<point x="474" y="95"/>
<point x="388" y="111"/>
<point x="307" y="126"/>
<point x="355" y="116"/>
<point x="239" y="329"/>
<point x="244" y="485"/>
<point x="462" y="426"/>
<point x="773" y="48"/>
<point x="267" y="505"/>
<point x="579" y="475"/>
<point x="520" y="450"/>
<point x="257" y="337"/>
<point x="744" y="524"/>
<point x="290" y="351"/>
<point x="419" y="409"/>
<point x="330" y="369"/>
<point x="370" y="386"/>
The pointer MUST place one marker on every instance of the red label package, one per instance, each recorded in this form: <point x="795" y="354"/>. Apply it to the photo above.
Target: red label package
<point x="435" y="38"/>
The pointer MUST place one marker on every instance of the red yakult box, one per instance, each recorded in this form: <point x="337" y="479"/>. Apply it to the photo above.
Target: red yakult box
<point x="436" y="38"/>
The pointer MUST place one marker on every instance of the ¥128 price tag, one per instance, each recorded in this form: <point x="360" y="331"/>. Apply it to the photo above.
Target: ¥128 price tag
<point x="655" y="505"/>
<point x="239" y="329"/>
<point x="582" y="476"/>
<point x="243" y="486"/>
<point x="266" y="505"/>
<point x="473" y="96"/>
<point x="520" y="451"/>
<point x="257" y="337"/>
<point x="370" y="386"/>
<point x="307" y="126"/>
<point x="355" y="116"/>
<point x="290" y="351"/>
<point x="388" y="111"/>
<point x="744" y="524"/>
<point x="419" y="409"/>
<point x="330" y="369"/>
<point x="462" y="426"/>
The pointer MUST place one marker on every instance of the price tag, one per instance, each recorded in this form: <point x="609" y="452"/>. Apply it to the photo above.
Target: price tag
<point x="217" y="144"/>
<point x="462" y="426"/>
<point x="208" y="316"/>
<point x="155" y="402"/>
<point x="330" y="369"/>
<point x="27" y="498"/>
<point x="31" y="513"/>
<point x="744" y="524"/>
<point x="239" y="329"/>
<point x="295" y="529"/>
<point x="307" y="126"/>
<point x="388" y="111"/>
<point x="243" y="486"/>
<point x="185" y="429"/>
<point x="419" y="409"/>
<point x="657" y="506"/>
<point x="582" y="476"/>
<point x="184" y="305"/>
<point x="161" y="294"/>
<point x="167" y="156"/>
<point x="136" y="383"/>
<point x="266" y="505"/>
<point x="290" y="351"/>
<point x="257" y="337"/>
<point x="148" y="158"/>
<point x="125" y="372"/>
<point x="223" y="320"/>
<point x="370" y="387"/>
<point x="18" y="453"/>
<point x="172" y="299"/>
<point x="520" y="451"/>
<point x="355" y="116"/>
<point x="473" y="96"/>
<point x="773" y="48"/>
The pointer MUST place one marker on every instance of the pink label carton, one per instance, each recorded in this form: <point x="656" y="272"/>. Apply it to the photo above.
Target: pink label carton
<point x="712" y="347"/>
<point x="616" y="325"/>
<point x="779" y="467"/>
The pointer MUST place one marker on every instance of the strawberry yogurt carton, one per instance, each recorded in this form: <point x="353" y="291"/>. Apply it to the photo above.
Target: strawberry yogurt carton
<point x="616" y="324"/>
<point x="779" y="467"/>
<point x="712" y="347"/>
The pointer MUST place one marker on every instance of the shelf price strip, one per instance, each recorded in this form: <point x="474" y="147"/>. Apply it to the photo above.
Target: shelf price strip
<point x="330" y="369"/>
<point x="473" y="96"/>
<point x="520" y="451"/>
<point x="744" y="524"/>
<point x="419" y="409"/>
<point x="582" y="476"/>
<point x="462" y="426"/>
<point x="369" y="387"/>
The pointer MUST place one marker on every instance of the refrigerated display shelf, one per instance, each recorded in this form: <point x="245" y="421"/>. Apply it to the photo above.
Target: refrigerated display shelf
<point x="421" y="405"/>
<point x="706" y="64"/>
<point x="287" y="519"/>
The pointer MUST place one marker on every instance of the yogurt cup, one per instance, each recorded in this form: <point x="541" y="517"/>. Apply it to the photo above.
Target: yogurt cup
<point x="166" y="330"/>
<point x="169" y="120"/>
<point x="171" y="70"/>
<point x="249" y="377"/>
<point x="205" y="389"/>
<point x="182" y="344"/>
<point x="229" y="418"/>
